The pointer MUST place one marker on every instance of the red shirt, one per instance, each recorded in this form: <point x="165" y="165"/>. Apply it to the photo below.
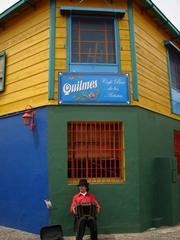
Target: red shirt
<point x="79" y="198"/>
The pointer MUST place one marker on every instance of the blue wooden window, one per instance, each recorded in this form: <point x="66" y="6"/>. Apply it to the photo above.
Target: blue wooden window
<point x="174" y="75"/>
<point x="92" y="40"/>
<point x="93" y="44"/>
<point x="2" y="70"/>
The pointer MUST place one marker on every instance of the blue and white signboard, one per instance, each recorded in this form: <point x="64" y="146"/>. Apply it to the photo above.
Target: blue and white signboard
<point x="93" y="88"/>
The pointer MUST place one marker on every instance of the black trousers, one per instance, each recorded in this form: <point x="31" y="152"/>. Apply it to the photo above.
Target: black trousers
<point x="81" y="224"/>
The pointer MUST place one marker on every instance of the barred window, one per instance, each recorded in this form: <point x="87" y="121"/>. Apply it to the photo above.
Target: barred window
<point x="177" y="149"/>
<point x="93" y="40"/>
<point x="95" y="151"/>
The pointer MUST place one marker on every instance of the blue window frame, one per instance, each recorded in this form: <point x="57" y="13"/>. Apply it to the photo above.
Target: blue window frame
<point x="93" y="43"/>
<point x="174" y="75"/>
<point x="2" y="70"/>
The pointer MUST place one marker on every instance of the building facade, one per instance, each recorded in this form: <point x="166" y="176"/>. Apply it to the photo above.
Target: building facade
<point x="100" y="83"/>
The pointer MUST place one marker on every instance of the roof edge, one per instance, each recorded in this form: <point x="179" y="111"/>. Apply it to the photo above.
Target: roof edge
<point x="152" y="7"/>
<point x="13" y="9"/>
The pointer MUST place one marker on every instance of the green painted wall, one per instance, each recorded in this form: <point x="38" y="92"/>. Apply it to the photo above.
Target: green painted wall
<point x="156" y="144"/>
<point x="127" y="207"/>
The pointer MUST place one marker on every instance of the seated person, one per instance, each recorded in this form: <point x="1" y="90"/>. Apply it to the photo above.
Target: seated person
<point x="81" y="221"/>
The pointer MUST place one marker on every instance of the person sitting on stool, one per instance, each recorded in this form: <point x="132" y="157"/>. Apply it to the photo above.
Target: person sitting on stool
<point x="84" y="197"/>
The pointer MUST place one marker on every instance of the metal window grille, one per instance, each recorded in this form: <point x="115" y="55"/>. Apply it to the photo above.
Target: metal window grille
<point x="177" y="149"/>
<point x="93" y="40"/>
<point x="95" y="151"/>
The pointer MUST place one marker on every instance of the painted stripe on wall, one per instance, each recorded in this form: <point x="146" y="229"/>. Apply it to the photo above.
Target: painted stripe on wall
<point x="52" y="49"/>
<point x="133" y="51"/>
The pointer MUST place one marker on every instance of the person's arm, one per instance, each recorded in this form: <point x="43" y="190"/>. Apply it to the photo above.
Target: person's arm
<point x="98" y="207"/>
<point x="73" y="205"/>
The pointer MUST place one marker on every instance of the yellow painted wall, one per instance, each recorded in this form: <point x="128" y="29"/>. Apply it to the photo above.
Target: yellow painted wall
<point x="152" y="68"/>
<point x="25" y="38"/>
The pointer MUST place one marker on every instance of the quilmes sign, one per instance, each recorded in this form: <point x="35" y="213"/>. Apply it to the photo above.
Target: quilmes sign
<point x="93" y="88"/>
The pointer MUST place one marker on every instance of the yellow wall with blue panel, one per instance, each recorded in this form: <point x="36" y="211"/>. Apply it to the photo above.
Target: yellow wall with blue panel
<point x="151" y="57"/>
<point x="61" y="36"/>
<point x="152" y="68"/>
<point x="25" y="38"/>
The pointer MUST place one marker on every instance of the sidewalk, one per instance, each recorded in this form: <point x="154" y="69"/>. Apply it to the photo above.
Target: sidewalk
<point x="162" y="233"/>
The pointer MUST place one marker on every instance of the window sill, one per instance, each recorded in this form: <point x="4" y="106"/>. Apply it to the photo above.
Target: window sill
<point x="85" y="67"/>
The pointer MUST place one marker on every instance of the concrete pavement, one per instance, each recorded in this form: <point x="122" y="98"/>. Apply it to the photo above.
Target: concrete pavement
<point x="162" y="233"/>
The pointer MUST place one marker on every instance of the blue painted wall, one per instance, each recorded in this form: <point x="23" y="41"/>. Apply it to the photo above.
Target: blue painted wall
<point x="23" y="172"/>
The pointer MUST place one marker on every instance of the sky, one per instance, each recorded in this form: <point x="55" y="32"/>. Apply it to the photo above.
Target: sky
<point x="171" y="9"/>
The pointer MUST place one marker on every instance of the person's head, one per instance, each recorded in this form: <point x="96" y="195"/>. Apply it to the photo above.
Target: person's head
<point x="83" y="185"/>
